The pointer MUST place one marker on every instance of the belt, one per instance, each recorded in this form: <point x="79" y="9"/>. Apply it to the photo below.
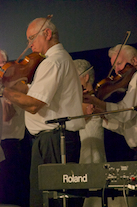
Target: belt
<point x="48" y="130"/>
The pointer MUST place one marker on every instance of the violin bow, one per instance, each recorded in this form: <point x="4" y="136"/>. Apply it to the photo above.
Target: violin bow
<point x="87" y="70"/>
<point x="28" y="46"/>
<point x="124" y="42"/>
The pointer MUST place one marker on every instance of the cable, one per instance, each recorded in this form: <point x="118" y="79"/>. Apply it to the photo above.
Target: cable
<point x="124" y="194"/>
<point x="103" y="193"/>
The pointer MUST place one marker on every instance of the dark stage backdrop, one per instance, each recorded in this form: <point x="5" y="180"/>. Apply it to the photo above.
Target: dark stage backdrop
<point x="83" y="24"/>
<point x="90" y="26"/>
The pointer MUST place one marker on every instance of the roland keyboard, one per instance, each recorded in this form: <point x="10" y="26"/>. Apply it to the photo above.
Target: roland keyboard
<point x="87" y="176"/>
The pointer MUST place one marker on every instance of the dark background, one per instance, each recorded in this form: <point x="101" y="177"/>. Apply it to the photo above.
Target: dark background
<point x="87" y="28"/>
<point x="83" y="24"/>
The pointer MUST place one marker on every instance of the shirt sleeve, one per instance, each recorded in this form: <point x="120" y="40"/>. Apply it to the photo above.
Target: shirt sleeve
<point x="129" y="101"/>
<point x="113" y="125"/>
<point x="46" y="81"/>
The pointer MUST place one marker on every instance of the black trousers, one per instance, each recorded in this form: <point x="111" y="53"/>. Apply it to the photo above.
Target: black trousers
<point x="10" y="173"/>
<point x="14" y="172"/>
<point x="46" y="149"/>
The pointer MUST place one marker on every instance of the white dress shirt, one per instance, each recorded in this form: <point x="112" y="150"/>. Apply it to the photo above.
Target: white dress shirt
<point x="56" y="83"/>
<point x="125" y="123"/>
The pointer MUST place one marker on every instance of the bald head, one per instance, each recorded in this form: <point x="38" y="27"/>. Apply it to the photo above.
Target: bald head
<point x="40" y="24"/>
<point x="42" y="34"/>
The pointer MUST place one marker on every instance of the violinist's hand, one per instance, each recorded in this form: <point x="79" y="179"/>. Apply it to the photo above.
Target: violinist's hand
<point x="99" y="110"/>
<point x="87" y="98"/>
<point x="89" y="109"/>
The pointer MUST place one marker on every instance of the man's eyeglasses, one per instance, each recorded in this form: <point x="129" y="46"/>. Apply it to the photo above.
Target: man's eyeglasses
<point x="32" y="37"/>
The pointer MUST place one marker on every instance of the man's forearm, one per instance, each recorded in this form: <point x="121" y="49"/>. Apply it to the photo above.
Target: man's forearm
<point x="21" y="87"/>
<point x="15" y="97"/>
<point x="24" y="101"/>
<point x="87" y="98"/>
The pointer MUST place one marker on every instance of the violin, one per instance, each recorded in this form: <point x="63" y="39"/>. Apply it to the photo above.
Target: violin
<point x="24" y="70"/>
<point x="115" y="84"/>
<point x="119" y="83"/>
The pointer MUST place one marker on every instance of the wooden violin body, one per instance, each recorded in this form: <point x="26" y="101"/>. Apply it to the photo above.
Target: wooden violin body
<point x="119" y="83"/>
<point x="13" y="71"/>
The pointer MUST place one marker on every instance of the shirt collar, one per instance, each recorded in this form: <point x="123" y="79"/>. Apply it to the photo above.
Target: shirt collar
<point x="54" y="49"/>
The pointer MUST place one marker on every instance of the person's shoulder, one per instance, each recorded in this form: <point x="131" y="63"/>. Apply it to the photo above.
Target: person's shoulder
<point x="134" y="76"/>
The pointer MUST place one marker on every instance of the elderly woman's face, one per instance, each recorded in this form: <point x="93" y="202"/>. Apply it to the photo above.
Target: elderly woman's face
<point x="2" y="60"/>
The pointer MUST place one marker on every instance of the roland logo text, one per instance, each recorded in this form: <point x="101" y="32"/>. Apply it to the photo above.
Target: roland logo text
<point x="75" y="179"/>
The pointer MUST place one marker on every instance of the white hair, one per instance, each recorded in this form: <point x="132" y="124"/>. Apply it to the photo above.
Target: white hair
<point x="43" y="23"/>
<point x="84" y="67"/>
<point x="4" y="54"/>
<point x="130" y="51"/>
